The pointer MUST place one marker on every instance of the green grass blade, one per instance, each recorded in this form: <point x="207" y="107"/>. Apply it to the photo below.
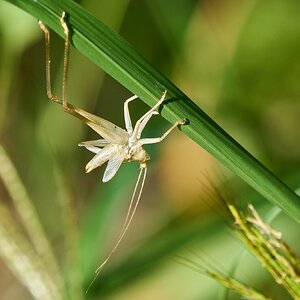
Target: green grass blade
<point x="117" y="57"/>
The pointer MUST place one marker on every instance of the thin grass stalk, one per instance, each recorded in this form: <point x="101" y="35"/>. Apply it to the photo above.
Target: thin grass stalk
<point x="71" y="238"/>
<point x="28" y="214"/>
<point x="240" y="288"/>
<point x="22" y="260"/>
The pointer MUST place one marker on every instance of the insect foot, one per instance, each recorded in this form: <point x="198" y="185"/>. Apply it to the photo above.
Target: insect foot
<point x="184" y="121"/>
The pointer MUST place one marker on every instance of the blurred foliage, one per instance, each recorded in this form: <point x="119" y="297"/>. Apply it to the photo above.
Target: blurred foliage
<point x="265" y="71"/>
<point x="239" y="58"/>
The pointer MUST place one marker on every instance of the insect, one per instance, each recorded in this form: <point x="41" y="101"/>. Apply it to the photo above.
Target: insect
<point x="117" y="145"/>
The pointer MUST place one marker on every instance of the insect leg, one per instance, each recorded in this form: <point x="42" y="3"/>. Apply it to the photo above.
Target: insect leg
<point x="48" y="63"/>
<point x="159" y="139"/>
<point x="50" y="95"/>
<point x="144" y="119"/>
<point x="156" y="106"/>
<point x="142" y="122"/>
<point x="66" y="61"/>
<point x="127" y="118"/>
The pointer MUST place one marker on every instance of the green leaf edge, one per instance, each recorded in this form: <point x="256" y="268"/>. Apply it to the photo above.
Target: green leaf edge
<point x="117" y="57"/>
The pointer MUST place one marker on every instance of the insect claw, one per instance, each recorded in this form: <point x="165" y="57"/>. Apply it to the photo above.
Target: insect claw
<point x="62" y="18"/>
<point x="64" y="24"/>
<point x="163" y="97"/>
<point x="184" y="121"/>
<point x="43" y="27"/>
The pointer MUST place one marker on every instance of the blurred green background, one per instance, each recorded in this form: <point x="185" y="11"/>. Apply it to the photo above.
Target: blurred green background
<point x="240" y="60"/>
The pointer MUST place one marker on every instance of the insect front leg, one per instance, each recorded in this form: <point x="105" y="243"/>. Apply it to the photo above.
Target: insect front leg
<point x="142" y="122"/>
<point x="127" y="118"/>
<point x="159" y="139"/>
<point x="145" y="118"/>
<point x="154" y="108"/>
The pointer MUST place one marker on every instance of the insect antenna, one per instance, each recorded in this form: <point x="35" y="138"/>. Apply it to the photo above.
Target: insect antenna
<point x="134" y="202"/>
<point x="129" y="216"/>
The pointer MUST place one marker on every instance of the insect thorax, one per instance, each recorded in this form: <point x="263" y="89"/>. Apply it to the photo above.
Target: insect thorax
<point x="137" y="153"/>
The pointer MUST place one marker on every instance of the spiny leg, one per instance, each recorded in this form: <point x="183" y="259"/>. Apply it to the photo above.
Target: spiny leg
<point x="159" y="139"/>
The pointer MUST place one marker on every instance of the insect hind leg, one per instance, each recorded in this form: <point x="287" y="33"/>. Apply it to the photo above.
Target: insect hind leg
<point x="48" y="63"/>
<point x="66" y="61"/>
<point x="50" y="95"/>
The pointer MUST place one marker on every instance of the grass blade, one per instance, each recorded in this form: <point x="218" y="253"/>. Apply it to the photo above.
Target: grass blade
<point x="23" y="261"/>
<point x="117" y="57"/>
<point x="28" y="214"/>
